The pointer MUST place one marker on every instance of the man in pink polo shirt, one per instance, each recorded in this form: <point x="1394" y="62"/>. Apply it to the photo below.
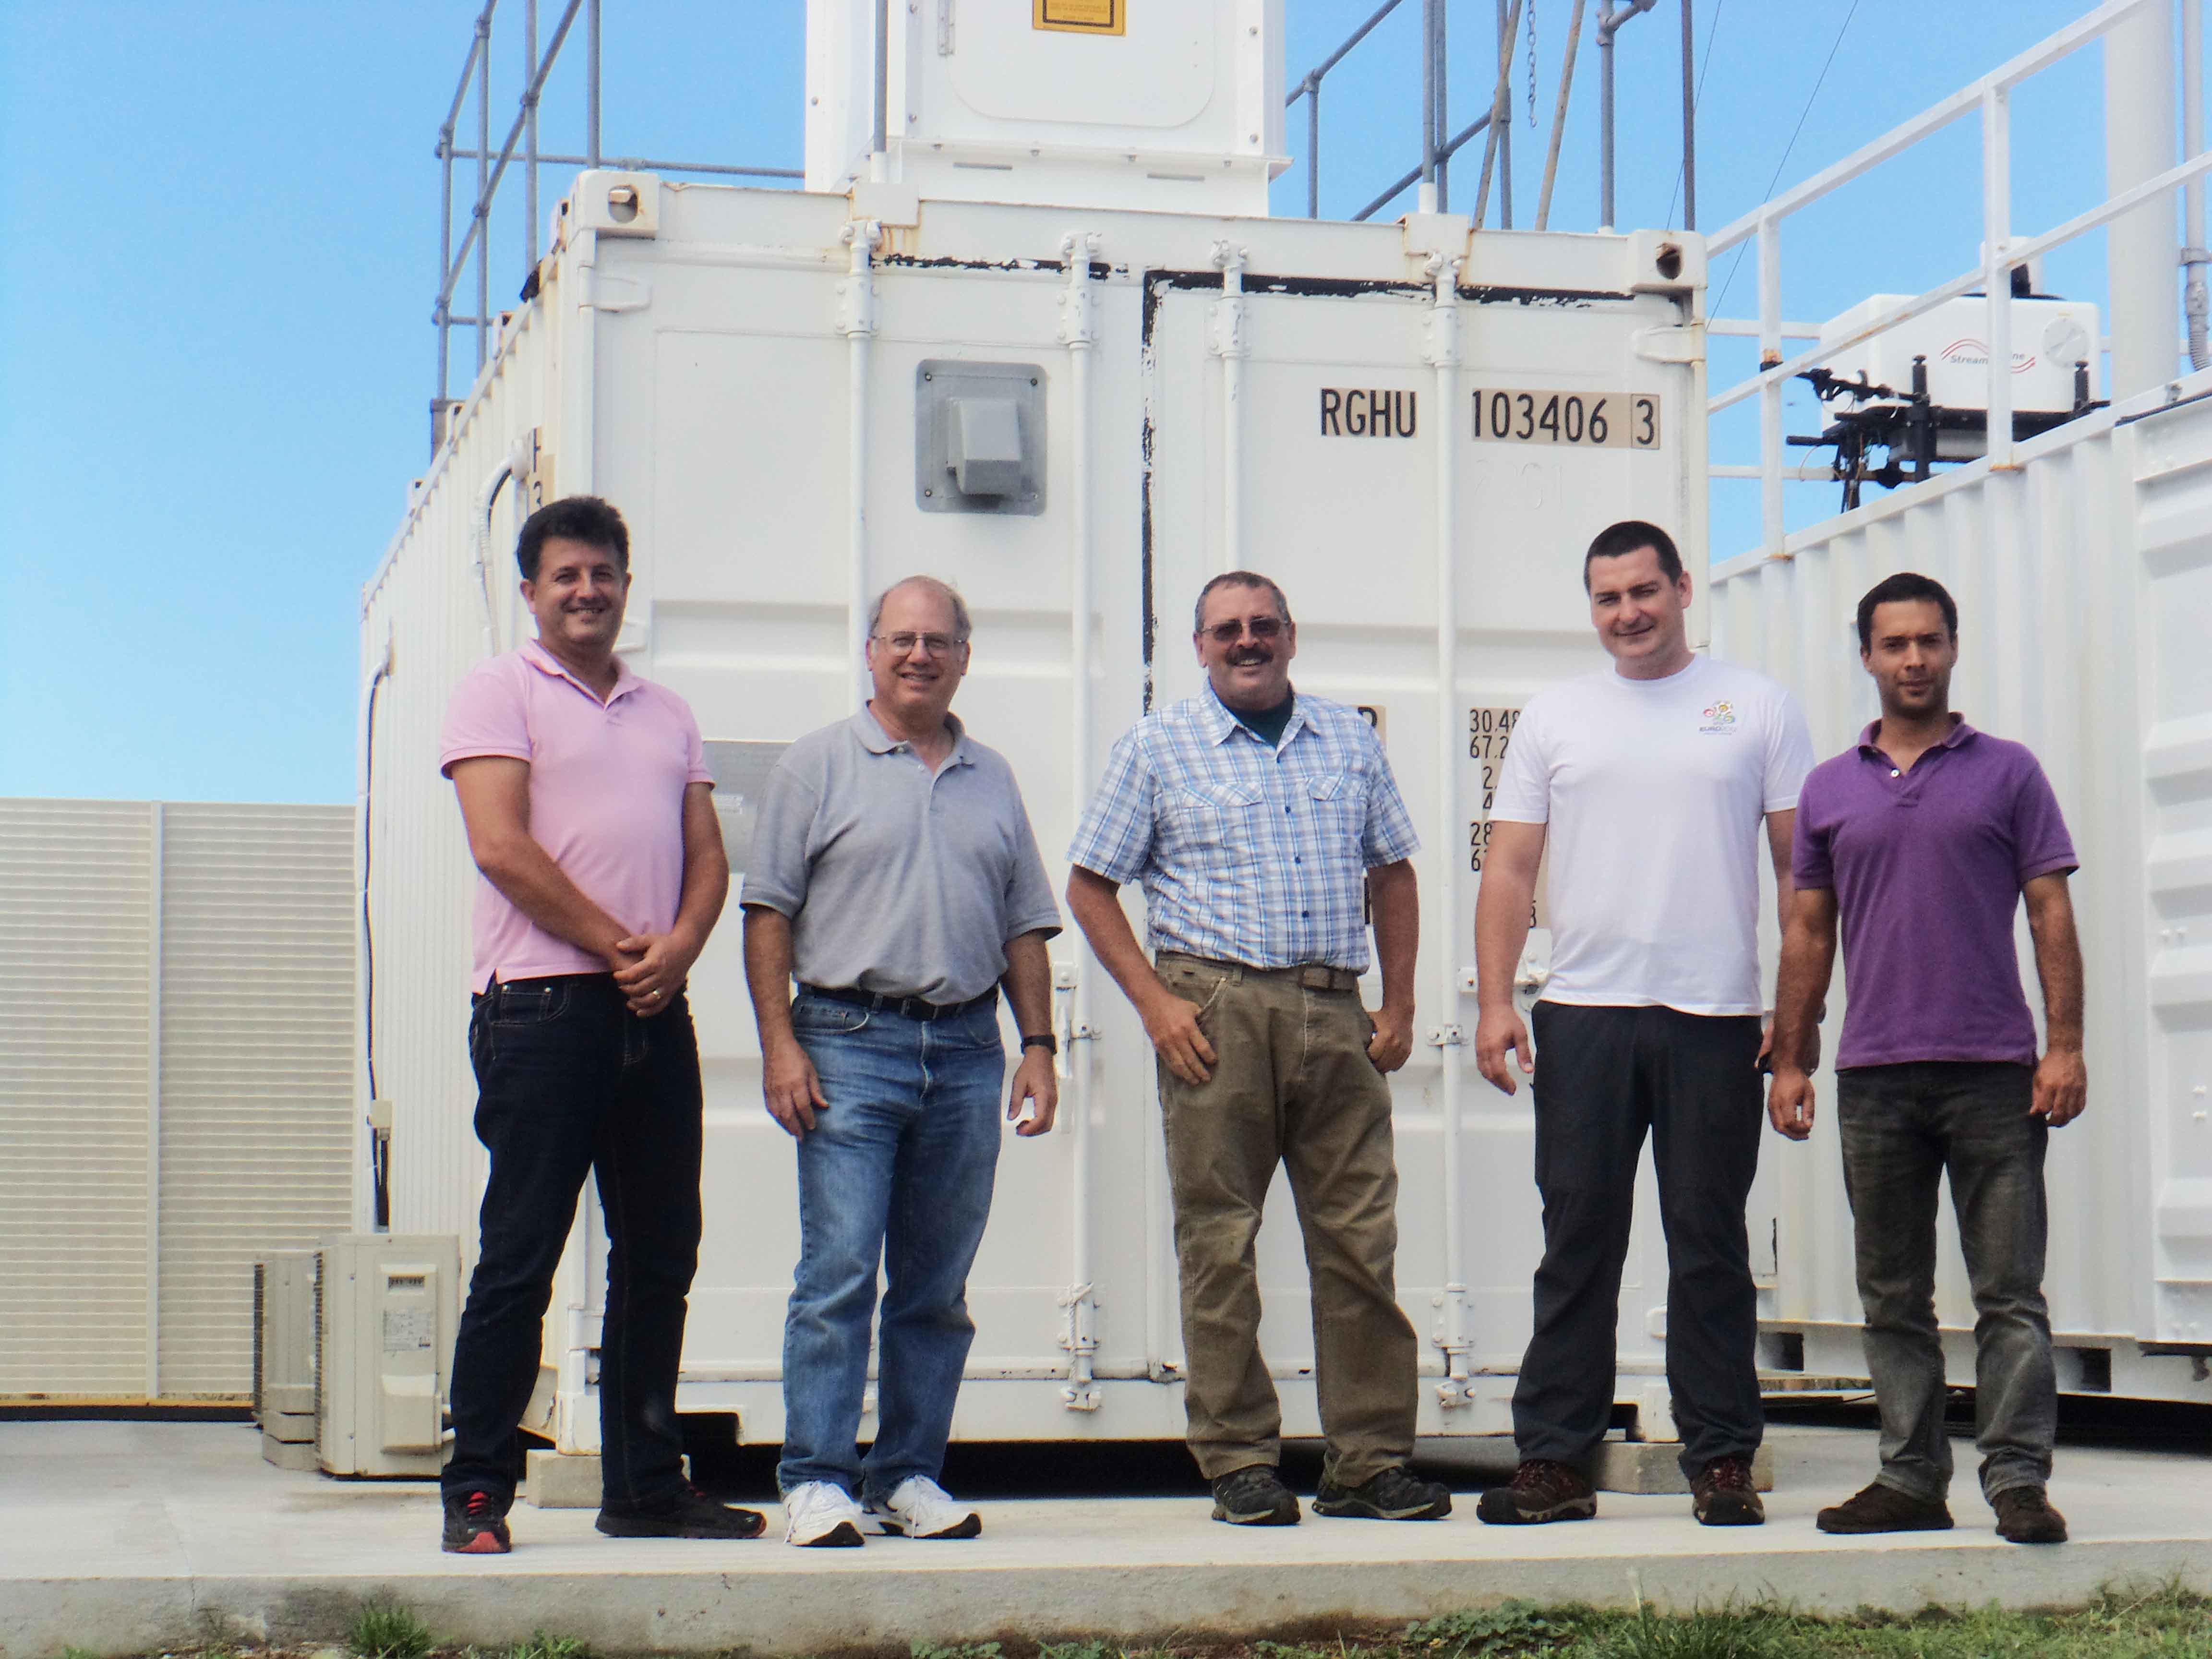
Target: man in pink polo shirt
<point x="590" y="812"/>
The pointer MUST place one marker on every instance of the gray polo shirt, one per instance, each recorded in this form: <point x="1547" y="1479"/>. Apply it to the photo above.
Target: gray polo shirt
<point x="896" y="881"/>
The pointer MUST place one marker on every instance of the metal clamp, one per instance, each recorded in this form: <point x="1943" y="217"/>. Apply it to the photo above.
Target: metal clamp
<point x="1446" y="1036"/>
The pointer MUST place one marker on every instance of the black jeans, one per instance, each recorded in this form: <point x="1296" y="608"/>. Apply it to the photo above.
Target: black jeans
<point x="1903" y="1128"/>
<point x="1603" y="1076"/>
<point x="571" y="1082"/>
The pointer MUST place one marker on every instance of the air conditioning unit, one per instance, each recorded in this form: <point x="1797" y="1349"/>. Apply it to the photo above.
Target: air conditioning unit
<point x="386" y="1306"/>
<point x="284" y="1357"/>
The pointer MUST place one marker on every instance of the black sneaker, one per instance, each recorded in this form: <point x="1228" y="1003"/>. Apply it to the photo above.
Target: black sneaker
<point x="1541" y="1491"/>
<point x="475" y="1524"/>
<point x="689" y="1514"/>
<point x="1254" y="1496"/>
<point x="1396" y="1494"/>
<point x="1722" y="1494"/>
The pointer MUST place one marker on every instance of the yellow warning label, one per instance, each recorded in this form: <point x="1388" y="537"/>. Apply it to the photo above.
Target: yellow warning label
<point x="1080" y="16"/>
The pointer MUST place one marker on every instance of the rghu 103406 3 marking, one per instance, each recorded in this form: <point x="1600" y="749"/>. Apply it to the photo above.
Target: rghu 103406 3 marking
<point x="1604" y="420"/>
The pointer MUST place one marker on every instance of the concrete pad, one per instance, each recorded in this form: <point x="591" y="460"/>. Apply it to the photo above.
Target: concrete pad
<point x="552" y="1481"/>
<point x="1647" y="1466"/>
<point x="123" y="1537"/>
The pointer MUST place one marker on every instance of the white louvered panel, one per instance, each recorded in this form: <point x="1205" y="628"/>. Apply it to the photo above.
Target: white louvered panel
<point x="257" y="1081"/>
<point x="77" y="984"/>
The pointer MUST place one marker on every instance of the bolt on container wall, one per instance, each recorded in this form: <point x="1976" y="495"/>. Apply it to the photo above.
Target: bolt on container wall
<point x="1415" y="431"/>
<point x="2084" y="577"/>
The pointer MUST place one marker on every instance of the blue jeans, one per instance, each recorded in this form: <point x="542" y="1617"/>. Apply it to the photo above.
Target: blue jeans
<point x="897" y="1171"/>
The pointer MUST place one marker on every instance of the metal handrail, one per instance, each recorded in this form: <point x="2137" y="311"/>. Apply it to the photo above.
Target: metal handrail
<point x="2000" y="255"/>
<point x="493" y="165"/>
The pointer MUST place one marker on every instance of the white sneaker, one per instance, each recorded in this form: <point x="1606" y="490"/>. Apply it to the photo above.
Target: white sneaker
<point x="821" y="1513"/>
<point x="918" y="1508"/>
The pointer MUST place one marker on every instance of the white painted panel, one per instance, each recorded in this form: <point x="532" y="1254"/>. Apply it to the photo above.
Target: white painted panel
<point x="2084" y="579"/>
<point x="76" y="942"/>
<point x="257" y="1122"/>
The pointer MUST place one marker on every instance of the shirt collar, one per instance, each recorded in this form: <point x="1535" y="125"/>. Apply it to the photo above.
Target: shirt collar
<point x="1959" y="734"/>
<point x="1224" y="724"/>
<point x="876" y="741"/>
<point x="545" y="662"/>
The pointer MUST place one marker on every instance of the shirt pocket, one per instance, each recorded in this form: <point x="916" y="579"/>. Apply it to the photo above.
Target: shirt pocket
<point x="1218" y="820"/>
<point x="1338" y="803"/>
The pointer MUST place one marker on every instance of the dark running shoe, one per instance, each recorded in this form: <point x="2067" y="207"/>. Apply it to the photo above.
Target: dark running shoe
<point x="1884" y="1509"/>
<point x="2024" y="1516"/>
<point x="1722" y="1494"/>
<point x="689" y="1514"/>
<point x="1254" y="1496"/>
<point x="1541" y="1491"/>
<point x="1396" y="1494"/>
<point x="475" y="1524"/>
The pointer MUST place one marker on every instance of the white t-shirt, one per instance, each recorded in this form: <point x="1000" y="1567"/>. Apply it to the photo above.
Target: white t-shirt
<point x="1654" y="792"/>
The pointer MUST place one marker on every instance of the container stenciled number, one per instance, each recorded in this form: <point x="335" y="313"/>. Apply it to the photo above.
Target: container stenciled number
<point x="1488" y="733"/>
<point x="1584" y="419"/>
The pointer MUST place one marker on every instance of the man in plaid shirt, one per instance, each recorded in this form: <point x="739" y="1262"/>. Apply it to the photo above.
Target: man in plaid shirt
<point x="1254" y="816"/>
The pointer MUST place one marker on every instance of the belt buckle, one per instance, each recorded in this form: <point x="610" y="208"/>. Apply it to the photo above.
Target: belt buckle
<point x="1316" y="979"/>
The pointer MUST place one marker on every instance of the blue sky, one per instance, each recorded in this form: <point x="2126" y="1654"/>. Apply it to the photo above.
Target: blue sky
<point x="222" y="240"/>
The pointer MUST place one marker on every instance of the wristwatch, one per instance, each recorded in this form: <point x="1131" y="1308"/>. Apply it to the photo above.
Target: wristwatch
<point x="1044" y="1040"/>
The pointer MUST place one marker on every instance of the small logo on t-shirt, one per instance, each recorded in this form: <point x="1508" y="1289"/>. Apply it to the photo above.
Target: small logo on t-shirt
<point x="1719" y="720"/>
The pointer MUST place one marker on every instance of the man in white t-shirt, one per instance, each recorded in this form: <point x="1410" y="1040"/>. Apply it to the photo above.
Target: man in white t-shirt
<point x="1650" y="782"/>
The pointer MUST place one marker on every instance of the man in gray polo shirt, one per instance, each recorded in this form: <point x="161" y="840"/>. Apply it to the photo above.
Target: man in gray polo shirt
<point x="893" y="871"/>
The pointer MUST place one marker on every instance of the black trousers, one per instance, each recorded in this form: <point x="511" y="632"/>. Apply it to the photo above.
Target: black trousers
<point x="571" y="1083"/>
<point x="1603" y="1077"/>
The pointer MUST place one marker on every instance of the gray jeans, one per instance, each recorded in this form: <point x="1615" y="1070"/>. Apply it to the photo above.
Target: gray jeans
<point x="1903" y="1128"/>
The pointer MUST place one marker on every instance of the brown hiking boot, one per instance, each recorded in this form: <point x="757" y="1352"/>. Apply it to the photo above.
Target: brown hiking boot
<point x="1884" y="1509"/>
<point x="2024" y="1516"/>
<point x="1541" y="1491"/>
<point x="1722" y="1495"/>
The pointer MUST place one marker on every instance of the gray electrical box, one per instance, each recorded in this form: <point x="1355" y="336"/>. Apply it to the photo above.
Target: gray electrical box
<point x="284" y="1357"/>
<point x="387" y="1307"/>
<point x="979" y="437"/>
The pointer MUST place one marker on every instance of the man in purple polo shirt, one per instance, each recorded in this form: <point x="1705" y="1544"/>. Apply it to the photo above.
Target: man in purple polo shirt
<point x="590" y="812"/>
<point x="1922" y="838"/>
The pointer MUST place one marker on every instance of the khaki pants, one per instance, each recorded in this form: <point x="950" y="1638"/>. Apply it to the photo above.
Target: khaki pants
<point x="1292" y="1084"/>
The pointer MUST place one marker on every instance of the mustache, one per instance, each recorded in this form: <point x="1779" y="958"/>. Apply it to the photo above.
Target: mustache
<point x="1245" y="656"/>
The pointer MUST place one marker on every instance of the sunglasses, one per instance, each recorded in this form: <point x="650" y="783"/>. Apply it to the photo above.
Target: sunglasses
<point x="1228" y="633"/>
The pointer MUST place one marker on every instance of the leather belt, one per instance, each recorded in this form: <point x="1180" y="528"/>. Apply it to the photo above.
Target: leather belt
<point x="906" y="1007"/>
<point x="1307" y="975"/>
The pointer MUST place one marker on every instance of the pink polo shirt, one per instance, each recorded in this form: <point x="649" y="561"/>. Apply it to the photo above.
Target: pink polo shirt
<point x="606" y="798"/>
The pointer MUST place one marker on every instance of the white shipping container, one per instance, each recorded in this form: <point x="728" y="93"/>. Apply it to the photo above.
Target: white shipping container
<point x="1420" y="463"/>
<point x="2084" y="582"/>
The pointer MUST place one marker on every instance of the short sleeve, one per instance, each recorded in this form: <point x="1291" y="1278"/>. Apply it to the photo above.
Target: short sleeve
<point x="1812" y="860"/>
<point x="1388" y="836"/>
<point x="485" y="716"/>
<point x="2041" y="844"/>
<point x="694" y="751"/>
<point x="776" y="868"/>
<point x="1525" y="782"/>
<point x="1030" y="906"/>
<point x="1115" y="839"/>
<point x="1788" y="754"/>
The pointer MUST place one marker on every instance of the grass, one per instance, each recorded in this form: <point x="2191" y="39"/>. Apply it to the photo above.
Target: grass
<point x="2164" y="1623"/>
<point x="385" y="1630"/>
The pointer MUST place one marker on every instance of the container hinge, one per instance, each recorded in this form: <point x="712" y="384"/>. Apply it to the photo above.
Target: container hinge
<point x="1080" y="1339"/>
<point x="1680" y="344"/>
<point x="1446" y="1036"/>
<point x="1457" y="1390"/>
<point x="944" y="28"/>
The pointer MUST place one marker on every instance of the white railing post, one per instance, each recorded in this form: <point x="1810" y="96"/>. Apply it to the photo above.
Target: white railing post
<point x="1996" y="270"/>
<point x="1770" y="391"/>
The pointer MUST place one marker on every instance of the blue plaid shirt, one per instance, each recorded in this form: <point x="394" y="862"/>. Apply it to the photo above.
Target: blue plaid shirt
<point x="1248" y="854"/>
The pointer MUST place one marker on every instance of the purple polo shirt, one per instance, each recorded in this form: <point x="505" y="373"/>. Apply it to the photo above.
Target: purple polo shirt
<point x="1927" y="868"/>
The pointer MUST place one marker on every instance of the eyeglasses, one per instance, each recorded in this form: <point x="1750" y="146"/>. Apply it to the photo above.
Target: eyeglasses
<point x="1228" y="633"/>
<point x="938" y="645"/>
